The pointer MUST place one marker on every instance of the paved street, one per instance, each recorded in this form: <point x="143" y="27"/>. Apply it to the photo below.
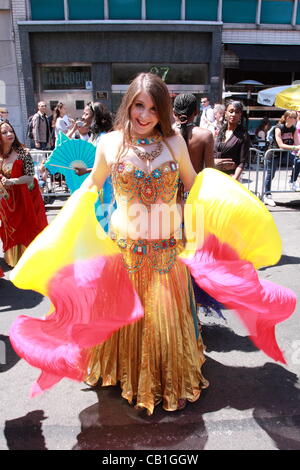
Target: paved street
<point x="252" y="402"/>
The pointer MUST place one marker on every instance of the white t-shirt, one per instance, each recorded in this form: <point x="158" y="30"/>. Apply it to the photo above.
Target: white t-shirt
<point x="207" y="117"/>
<point x="62" y="124"/>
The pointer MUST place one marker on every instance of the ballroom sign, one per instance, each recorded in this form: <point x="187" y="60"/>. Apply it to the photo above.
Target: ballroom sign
<point x="65" y="78"/>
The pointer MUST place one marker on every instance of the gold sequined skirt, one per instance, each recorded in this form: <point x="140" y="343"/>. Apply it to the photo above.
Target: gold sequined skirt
<point x="157" y="359"/>
<point x="12" y="255"/>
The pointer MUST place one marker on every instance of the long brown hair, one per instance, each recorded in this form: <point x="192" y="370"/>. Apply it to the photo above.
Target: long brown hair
<point x="16" y="143"/>
<point x="57" y="113"/>
<point x="157" y="89"/>
<point x="287" y="114"/>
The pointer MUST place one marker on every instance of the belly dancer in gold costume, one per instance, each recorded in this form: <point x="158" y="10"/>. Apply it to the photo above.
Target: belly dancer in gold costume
<point x="159" y="358"/>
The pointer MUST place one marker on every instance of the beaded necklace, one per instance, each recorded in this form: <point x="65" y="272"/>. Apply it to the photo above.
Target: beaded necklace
<point x="148" y="156"/>
<point x="147" y="140"/>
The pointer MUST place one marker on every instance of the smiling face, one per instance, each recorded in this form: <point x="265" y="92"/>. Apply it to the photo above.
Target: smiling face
<point x="143" y="115"/>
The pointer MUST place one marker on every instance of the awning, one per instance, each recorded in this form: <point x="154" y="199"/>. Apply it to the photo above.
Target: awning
<point x="266" y="57"/>
<point x="265" y="52"/>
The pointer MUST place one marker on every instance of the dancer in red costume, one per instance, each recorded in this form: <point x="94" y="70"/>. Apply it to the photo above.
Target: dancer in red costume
<point x="123" y="305"/>
<point x="22" y="211"/>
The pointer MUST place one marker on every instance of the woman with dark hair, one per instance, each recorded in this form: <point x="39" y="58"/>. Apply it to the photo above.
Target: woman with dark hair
<point x="232" y="145"/>
<point x="262" y="130"/>
<point x="101" y="123"/>
<point x="98" y="119"/>
<point x="286" y="138"/>
<point x="199" y="141"/>
<point x="22" y="211"/>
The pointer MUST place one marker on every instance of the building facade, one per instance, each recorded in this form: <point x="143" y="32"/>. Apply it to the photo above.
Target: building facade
<point x="74" y="52"/>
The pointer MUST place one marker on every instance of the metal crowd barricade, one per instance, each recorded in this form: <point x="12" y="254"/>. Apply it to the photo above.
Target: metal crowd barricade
<point x="252" y="171"/>
<point x="253" y="177"/>
<point x="52" y="185"/>
<point x="283" y="171"/>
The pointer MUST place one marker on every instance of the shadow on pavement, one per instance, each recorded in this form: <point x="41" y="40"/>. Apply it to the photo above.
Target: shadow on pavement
<point x="284" y="260"/>
<point x="8" y="357"/>
<point x="270" y="390"/>
<point x="4" y="266"/>
<point x="12" y="298"/>
<point x="113" y="424"/>
<point x="26" y="433"/>
<point x="293" y="204"/>
<point x="222" y="339"/>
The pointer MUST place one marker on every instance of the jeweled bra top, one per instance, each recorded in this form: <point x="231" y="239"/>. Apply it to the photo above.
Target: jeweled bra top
<point x="131" y="182"/>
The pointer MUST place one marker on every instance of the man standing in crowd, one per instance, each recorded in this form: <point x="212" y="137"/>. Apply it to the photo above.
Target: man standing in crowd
<point x="207" y="116"/>
<point x="40" y="127"/>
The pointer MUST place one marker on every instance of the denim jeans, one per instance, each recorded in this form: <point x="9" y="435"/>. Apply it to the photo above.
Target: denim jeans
<point x="287" y="160"/>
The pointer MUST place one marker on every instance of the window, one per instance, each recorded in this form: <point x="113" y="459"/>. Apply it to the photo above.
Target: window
<point x="90" y="10"/>
<point x="79" y="104"/>
<point x="205" y="11"/>
<point x="193" y="74"/>
<point x="47" y="10"/>
<point x="277" y="11"/>
<point x="124" y="9"/>
<point x="163" y="10"/>
<point x="239" y="11"/>
<point x="65" y="77"/>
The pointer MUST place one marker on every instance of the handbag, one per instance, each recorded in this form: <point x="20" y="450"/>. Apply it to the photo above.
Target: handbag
<point x="224" y="164"/>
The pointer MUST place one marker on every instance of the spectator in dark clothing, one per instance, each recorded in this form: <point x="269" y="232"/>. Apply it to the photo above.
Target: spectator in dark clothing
<point x="51" y="128"/>
<point x="41" y="128"/>
<point x="232" y="145"/>
<point x="286" y="138"/>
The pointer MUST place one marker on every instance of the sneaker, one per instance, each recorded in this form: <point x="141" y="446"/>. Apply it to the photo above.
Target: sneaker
<point x="268" y="200"/>
<point x="294" y="186"/>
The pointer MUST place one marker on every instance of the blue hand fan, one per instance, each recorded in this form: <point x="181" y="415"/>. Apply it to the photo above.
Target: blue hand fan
<point x="69" y="154"/>
<point x="61" y="138"/>
<point x="105" y="204"/>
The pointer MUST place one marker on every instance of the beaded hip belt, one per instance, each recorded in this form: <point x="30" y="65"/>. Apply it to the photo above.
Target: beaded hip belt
<point x="161" y="254"/>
